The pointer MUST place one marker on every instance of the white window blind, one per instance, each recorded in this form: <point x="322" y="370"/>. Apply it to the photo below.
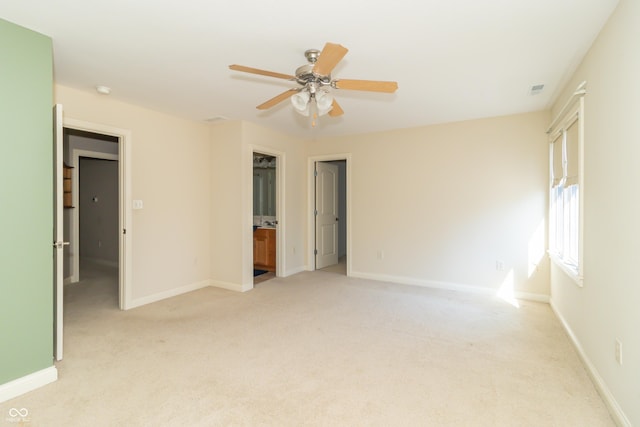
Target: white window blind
<point x="565" y="189"/>
<point x="557" y="172"/>
<point x="571" y="151"/>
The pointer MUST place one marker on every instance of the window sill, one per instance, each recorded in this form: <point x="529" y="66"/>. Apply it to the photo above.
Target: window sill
<point x="569" y="270"/>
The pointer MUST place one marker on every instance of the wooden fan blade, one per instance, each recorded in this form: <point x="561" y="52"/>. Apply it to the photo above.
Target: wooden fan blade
<point x="261" y="72"/>
<point x="336" y="110"/>
<point x="277" y="99"/>
<point x="329" y="58"/>
<point x="368" y="85"/>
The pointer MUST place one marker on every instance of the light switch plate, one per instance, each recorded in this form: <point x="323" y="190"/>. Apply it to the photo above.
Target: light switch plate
<point x="137" y="204"/>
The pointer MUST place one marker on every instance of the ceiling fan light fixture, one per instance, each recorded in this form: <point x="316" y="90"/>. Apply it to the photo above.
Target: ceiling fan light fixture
<point x="324" y="102"/>
<point x="300" y="102"/>
<point x="311" y="98"/>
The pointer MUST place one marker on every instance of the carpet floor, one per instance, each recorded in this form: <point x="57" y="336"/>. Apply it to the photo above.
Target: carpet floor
<point x="313" y="349"/>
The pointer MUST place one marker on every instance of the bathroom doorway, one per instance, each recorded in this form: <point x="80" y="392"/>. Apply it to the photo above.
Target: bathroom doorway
<point x="265" y="216"/>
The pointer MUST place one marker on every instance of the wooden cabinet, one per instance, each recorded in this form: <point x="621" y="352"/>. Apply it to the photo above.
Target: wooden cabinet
<point x="264" y="249"/>
<point x="67" y="199"/>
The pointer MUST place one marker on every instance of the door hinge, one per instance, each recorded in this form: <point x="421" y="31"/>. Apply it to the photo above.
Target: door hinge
<point x="124" y="231"/>
<point x="315" y="173"/>
<point x="315" y="212"/>
<point x="315" y="252"/>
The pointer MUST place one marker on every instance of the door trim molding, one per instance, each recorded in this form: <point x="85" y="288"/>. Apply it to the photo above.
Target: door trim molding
<point x="311" y="193"/>
<point x="125" y="142"/>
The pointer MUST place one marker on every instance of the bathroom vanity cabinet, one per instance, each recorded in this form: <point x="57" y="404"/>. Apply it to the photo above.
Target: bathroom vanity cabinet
<point x="264" y="249"/>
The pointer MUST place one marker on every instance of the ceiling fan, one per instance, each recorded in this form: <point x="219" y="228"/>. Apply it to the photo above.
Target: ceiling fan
<point x="315" y="80"/>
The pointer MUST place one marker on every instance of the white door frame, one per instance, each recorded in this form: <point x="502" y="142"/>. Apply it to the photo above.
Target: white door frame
<point x="58" y="228"/>
<point x="74" y="236"/>
<point x="280" y="206"/>
<point x="126" y="229"/>
<point x="311" y="200"/>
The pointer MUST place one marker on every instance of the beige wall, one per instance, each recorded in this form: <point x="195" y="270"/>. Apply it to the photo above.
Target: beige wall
<point x="606" y="308"/>
<point x="233" y="144"/>
<point x="226" y="205"/>
<point x="195" y="182"/>
<point x="445" y="202"/>
<point x="170" y="173"/>
<point x="295" y="174"/>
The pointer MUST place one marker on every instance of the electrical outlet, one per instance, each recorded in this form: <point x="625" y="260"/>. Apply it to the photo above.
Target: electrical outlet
<point x="499" y="265"/>
<point x="619" y="352"/>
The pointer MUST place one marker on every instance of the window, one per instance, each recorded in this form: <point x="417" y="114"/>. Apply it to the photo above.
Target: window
<point x="565" y="213"/>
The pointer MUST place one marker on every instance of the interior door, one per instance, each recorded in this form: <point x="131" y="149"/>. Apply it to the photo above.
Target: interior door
<point x="326" y="214"/>
<point x="58" y="236"/>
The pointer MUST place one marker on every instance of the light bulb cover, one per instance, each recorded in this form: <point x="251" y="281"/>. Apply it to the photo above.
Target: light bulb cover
<point x="324" y="102"/>
<point x="306" y="110"/>
<point x="300" y="101"/>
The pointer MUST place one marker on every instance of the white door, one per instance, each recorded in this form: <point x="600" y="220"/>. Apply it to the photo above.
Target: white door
<point x="58" y="236"/>
<point x="326" y="214"/>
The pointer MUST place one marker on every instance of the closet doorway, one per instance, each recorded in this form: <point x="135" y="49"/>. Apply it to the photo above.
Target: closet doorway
<point x="92" y="220"/>
<point x="329" y="207"/>
<point x="96" y="225"/>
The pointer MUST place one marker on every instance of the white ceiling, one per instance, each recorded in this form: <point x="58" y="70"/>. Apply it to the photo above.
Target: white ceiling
<point x="453" y="59"/>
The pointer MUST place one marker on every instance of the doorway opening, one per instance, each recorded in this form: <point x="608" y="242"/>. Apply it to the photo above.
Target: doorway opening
<point x="100" y="156"/>
<point x="330" y="215"/>
<point x="92" y="222"/>
<point x="265" y="216"/>
<point x="66" y="192"/>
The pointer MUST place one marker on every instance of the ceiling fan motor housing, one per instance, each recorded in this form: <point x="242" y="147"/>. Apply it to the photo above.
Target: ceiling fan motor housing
<point x="305" y="75"/>
<point x="312" y="55"/>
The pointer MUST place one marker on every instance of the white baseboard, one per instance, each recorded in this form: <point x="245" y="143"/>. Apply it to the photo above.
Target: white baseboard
<point x="295" y="270"/>
<point x="168" y="294"/>
<point x="446" y="286"/>
<point x="27" y="383"/>
<point x="231" y="286"/>
<point x="612" y="404"/>
<point x="528" y="296"/>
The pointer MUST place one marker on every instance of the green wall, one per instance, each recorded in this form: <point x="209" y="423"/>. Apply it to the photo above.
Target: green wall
<point x="26" y="202"/>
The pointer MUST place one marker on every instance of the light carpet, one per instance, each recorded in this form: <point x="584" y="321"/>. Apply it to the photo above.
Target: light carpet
<point x="314" y="349"/>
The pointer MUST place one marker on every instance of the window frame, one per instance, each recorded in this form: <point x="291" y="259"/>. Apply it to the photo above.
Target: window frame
<point x="565" y="239"/>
